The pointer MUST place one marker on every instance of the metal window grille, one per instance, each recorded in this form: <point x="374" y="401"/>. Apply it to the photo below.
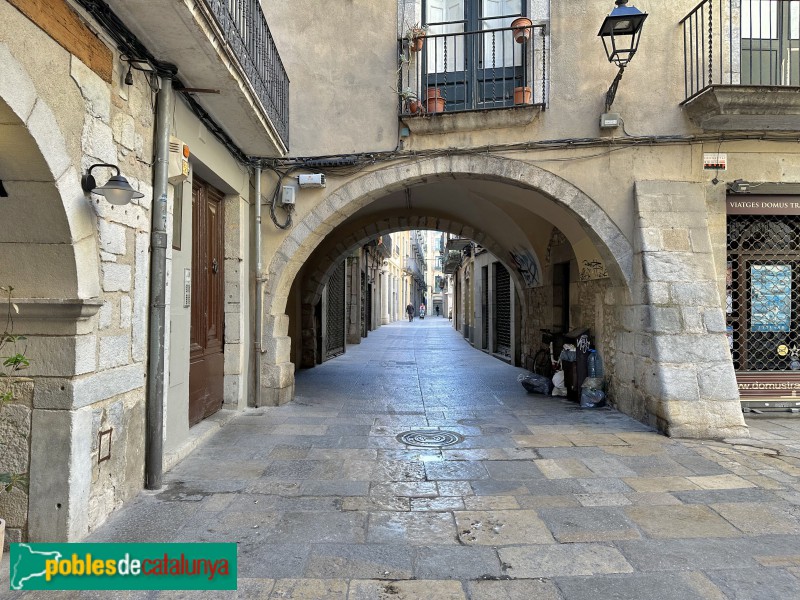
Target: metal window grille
<point x="485" y="306"/>
<point x="335" y="313"/>
<point x="762" y="291"/>
<point x="502" y="323"/>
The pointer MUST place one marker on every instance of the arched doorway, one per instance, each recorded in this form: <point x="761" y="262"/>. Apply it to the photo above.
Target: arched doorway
<point x="48" y="254"/>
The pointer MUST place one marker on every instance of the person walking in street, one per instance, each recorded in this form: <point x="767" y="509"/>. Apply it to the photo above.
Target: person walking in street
<point x="410" y="312"/>
<point x="421" y="311"/>
<point x="437" y="310"/>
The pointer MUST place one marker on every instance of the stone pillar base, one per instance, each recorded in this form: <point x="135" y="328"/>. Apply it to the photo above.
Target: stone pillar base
<point x="276" y="396"/>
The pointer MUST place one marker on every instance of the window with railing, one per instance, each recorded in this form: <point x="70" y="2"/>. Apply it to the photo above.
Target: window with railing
<point x="742" y="42"/>
<point x="471" y="58"/>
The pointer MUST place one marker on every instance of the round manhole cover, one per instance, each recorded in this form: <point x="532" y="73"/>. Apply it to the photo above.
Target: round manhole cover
<point x="430" y="438"/>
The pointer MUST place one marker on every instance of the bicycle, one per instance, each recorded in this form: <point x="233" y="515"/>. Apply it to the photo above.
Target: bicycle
<point x="544" y="362"/>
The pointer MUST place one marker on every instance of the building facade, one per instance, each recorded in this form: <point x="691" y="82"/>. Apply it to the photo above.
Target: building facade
<point x="668" y="226"/>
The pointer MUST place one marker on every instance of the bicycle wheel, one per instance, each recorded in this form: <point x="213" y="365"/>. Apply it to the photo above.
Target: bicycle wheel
<point x="542" y="365"/>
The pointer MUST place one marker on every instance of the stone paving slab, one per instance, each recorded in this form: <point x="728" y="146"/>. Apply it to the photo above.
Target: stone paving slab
<point x="541" y="500"/>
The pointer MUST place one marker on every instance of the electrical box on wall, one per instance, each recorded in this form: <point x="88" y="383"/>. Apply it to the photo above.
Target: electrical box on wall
<point x="314" y="180"/>
<point x="178" y="161"/>
<point x="287" y="195"/>
<point x="715" y="161"/>
<point x="609" y="120"/>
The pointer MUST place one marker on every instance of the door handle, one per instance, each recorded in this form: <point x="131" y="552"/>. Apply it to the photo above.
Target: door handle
<point x="214" y="266"/>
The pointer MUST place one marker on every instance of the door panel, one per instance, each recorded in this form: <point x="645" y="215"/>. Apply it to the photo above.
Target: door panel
<point x="206" y="363"/>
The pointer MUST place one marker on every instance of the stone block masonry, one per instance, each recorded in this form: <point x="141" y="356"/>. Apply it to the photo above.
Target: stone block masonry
<point x="683" y="374"/>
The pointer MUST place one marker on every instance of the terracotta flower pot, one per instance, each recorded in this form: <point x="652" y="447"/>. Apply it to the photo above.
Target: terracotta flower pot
<point x="416" y="43"/>
<point x="415" y="107"/>
<point x="522" y="95"/>
<point x="433" y="92"/>
<point x="522" y="29"/>
<point x="435" y="104"/>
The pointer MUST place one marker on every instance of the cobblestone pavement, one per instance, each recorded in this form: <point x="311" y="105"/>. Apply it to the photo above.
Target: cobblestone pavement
<point x="540" y="500"/>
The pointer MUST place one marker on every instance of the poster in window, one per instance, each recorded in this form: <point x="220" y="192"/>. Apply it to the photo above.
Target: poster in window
<point x="770" y="298"/>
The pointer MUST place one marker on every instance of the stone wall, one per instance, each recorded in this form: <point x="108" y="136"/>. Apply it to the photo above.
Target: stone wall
<point x="118" y="126"/>
<point x="15" y="453"/>
<point x="673" y="332"/>
<point x="86" y="337"/>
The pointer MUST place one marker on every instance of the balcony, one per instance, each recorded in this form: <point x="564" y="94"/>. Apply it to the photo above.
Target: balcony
<point x="225" y="46"/>
<point x="385" y="246"/>
<point x="452" y="261"/>
<point x="413" y="268"/>
<point x="458" y="81"/>
<point x="742" y="65"/>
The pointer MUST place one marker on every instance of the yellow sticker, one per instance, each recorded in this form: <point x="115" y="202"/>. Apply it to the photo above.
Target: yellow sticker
<point x="783" y="350"/>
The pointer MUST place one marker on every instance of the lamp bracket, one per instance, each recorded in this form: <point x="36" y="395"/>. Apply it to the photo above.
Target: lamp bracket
<point x="88" y="182"/>
<point x="612" y="90"/>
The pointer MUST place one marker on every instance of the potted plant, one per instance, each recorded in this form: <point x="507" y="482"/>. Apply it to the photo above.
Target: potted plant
<point x="522" y="29"/>
<point x="522" y="95"/>
<point x="411" y="104"/>
<point x="12" y="360"/>
<point x="434" y="102"/>
<point x="416" y="37"/>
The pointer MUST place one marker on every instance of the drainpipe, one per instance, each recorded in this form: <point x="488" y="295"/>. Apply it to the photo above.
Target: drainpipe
<point x="259" y="288"/>
<point x="154" y="450"/>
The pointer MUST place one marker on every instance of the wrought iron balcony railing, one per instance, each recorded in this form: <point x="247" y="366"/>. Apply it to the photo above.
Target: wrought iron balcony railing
<point x="385" y="245"/>
<point x="457" y="72"/>
<point x="741" y="42"/>
<point x="245" y="29"/>
<point x="452" y="261"/>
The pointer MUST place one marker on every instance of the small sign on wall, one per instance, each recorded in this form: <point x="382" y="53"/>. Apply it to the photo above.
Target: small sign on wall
<point x="716" y="161"/>
<point x="187" y="288"/>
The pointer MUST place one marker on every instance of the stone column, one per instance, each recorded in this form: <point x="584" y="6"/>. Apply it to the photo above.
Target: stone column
<point x="384" y="279"/>
<point x="277" y="370"/>
<point x="681" y="361"/>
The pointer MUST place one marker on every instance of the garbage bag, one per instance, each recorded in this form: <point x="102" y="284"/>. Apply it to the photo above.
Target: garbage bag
<point x="592" y="383"/>
<point x="558" y="378"/>
<point x="533" y="383"/>
<point x="592" y="398"/>
<point x="559" y="387"/>
<point x="568" y="353"/>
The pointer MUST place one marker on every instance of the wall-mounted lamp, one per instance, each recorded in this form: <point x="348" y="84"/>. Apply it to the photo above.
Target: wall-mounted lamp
<point x="3" y="192"/>
<point x="117" y="190"/>
<point x="620" y="32"/>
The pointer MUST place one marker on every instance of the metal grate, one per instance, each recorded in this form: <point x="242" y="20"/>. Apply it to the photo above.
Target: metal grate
<point x="335" y="313"/>
<point x="502" y="324"/>
<point x="485" y="306"/>
<point x="762" y="291"/>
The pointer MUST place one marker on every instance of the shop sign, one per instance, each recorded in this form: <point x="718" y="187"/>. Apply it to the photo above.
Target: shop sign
<point x="750" y="204"/>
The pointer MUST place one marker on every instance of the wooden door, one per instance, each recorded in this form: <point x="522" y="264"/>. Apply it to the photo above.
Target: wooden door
<point x="206" y="363"/>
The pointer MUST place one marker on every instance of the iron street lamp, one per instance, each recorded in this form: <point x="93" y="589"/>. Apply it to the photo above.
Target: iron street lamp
<point x="620" y="32"/>
<point x="117" y="190"/>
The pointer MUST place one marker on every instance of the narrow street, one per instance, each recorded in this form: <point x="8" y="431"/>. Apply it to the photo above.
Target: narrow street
<point x="538" y="500"/>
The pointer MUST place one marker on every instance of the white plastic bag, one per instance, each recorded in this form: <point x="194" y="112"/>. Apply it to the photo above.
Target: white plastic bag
<point x="559" y="388"/>
<point x="558" y="379"/>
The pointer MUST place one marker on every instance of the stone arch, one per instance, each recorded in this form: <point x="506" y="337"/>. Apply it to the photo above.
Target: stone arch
<point x="277" y="370"/>
<point x="52" y="242"/>
<point x="49" y="254"/>
<point x="333" y="255"/>
<point x="613" y="246"/>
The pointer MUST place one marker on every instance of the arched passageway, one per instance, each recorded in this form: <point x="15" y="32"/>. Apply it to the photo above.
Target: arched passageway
<point x="510" y="206"/>
<point x="48" y="255"/>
